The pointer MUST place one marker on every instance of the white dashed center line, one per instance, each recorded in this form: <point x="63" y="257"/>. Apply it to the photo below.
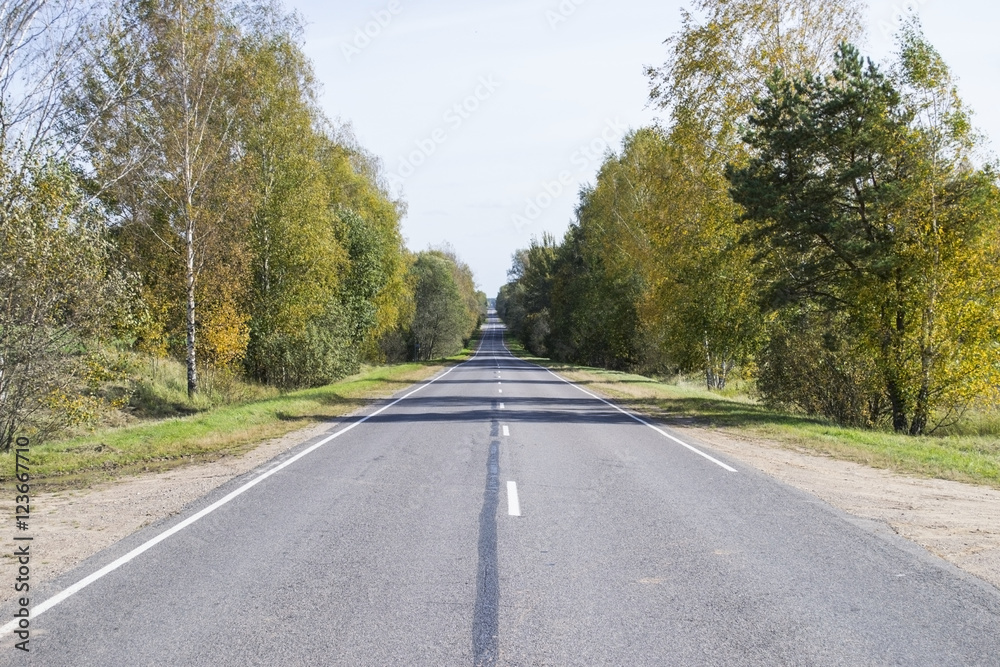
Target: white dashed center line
<point x="513" y="504"/>
<point x="506" y="431"/>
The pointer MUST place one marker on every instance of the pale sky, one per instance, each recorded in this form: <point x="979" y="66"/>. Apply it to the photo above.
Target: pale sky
<point x="489" y="116"/>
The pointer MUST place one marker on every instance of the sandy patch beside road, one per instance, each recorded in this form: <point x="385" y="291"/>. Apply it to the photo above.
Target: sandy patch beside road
<point x="958" y="522"/>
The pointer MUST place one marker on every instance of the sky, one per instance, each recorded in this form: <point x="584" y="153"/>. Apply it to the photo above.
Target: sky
<point x="490" y="116"/>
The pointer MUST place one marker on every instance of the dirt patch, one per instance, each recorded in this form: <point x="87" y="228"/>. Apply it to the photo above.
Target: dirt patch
<point x="958" y="522"/>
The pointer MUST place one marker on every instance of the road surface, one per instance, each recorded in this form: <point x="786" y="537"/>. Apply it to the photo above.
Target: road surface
<point x="499" y="515"/>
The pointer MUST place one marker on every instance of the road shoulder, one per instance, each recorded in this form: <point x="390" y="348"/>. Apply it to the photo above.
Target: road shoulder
<point x="956" y="521"/>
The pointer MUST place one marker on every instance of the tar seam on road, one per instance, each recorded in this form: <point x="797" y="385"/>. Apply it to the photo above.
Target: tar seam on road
<point x="486" y="618"/>
<point x="39" y="609"/>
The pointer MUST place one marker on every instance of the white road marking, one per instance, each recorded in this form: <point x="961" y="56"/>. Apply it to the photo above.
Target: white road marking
<point x="643" y="421"/>
<point x="513" y="504"/>
<point x="39" y="609"/>
<point x="626" y="412"/>
<point x="501" y="406"/>
<point x="506" y="431"/>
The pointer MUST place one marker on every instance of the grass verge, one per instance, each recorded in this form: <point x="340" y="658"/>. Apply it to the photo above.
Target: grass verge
<point x="163" y="444"/>
<point x="972" y="458"/>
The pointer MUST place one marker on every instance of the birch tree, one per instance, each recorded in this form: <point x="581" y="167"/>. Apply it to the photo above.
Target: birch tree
<point x="168" y="161"/>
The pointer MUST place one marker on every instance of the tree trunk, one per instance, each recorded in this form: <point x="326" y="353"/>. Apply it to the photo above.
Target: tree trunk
<point x="893" y="356"/>
<point x="897" y="402"/>
<point x="709" y="376"/>
<point x="192" y="369"/>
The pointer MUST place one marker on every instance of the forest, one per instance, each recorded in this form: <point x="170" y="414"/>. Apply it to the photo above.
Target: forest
<point x="172" y="194"/>
<point x="820" y="226"/>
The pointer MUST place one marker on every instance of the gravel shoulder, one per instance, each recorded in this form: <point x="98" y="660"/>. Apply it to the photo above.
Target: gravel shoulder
<point x="957" y="522"/>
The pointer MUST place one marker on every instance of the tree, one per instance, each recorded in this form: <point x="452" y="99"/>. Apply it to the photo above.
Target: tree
<point x="58" y="285"/>
<point x="594" y="303"/>
<point x="474" y="314"/>
<point x="954" y="219"/>
<point x="57" y="288"/>
<point x="525" y="305"/>
<point x="327" y="272"/>
<point x="356" y="182"/>
<point x="181" y="203"/>
<point x="41" y="43"/>
<point x="861" y="219"/>
<point x="299" y="330"/>
<point x="727" y="49"/>
<point x="441" y="320"/>
<point x="701" y="281"/>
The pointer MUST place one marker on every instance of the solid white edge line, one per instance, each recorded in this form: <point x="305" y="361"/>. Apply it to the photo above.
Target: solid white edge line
<point x="633" y="416"/>
<point x="513" y="503"/>
<point x="652" y="426"/>
<point x="41" y="608"/>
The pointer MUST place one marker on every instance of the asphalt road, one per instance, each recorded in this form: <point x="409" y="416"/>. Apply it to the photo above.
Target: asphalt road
<point x="399" y="541"/>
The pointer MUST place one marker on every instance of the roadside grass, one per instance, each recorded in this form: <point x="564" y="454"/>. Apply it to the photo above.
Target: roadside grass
<point x="969" y="452"/>
<point x="160" y="444"/>
<point x="160" y="390"/>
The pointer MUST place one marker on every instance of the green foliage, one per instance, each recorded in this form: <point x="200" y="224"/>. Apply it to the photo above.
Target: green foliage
<point x="655" y="277"/>
<point x="159" y="107"/>
<point x="651" y="276"/>
<point x="828" y="236"/>
<point x="211" y="214"/>
<point x="442" y="319"/>
<point x="326" y="251"/>
<point x="863" y="213"/>
<point x="297" y="323"/>
<point x="524" y="305"/>
<point x="57" y="288"/>
<point x="284" y="239"/>
<point x="811" y="363"/>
